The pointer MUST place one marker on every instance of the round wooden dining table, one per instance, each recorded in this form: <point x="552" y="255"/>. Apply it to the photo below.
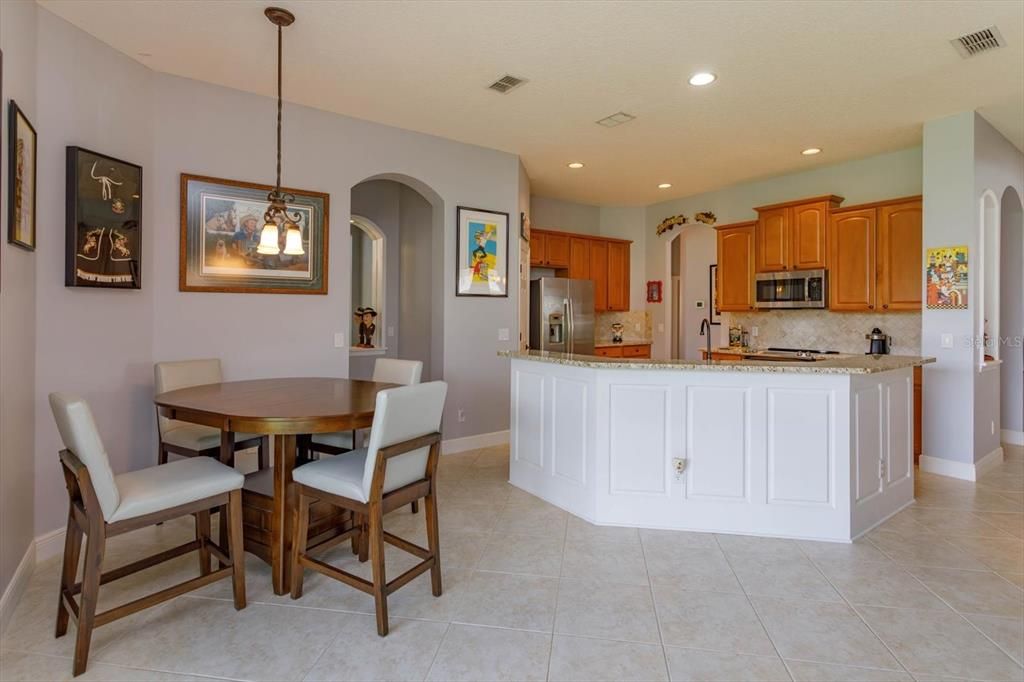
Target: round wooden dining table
<point x="284" y="409"/>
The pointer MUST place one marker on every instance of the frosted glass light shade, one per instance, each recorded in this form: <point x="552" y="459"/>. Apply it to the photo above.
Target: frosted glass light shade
<point x="293" y="242"/>
<point x="268" y="240"/>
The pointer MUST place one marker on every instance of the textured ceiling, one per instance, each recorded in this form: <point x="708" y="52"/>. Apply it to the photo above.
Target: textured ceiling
<point x="854" y="78"/>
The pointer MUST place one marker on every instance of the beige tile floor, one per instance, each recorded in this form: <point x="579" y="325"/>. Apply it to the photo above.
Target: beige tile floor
<point x="532" y="593"/>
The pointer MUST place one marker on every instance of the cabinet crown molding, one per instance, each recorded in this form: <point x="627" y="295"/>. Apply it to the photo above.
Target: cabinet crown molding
<point x="876" y="204"/>
<point x="832" y="198"/>
<point x="745" y="223"/>
<point x="581" y="235"/>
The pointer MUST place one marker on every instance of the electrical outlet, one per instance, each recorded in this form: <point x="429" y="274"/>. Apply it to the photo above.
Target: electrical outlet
<point x="700" y="305"/>
<point x="947" y="341"/>
<point x="993" y="428"/>
<point x="661" y="328"/>
<point x="391" y="331"/>
<point x="339" y="339"/>
<point x="503" y="334"/>
<point x="753" y="331"/>
<point x="636" y="327"/>
<point x="462" y="415"/>
<point x="679" y="464"/>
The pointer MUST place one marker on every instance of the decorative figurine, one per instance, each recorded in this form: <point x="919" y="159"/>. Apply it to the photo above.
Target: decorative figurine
<point x="617" y="328"/>
<point x="367" y="326"/>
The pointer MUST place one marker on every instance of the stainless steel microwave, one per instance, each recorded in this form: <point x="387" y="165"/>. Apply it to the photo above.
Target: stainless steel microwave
<point x="793" y="289"/>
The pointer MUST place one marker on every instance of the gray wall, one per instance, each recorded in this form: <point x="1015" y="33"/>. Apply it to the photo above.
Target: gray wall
<point x="555" y="214"/>
<point x="997" y="165"/>
<point x="17" y="309"/>
<point x="950" y="219"/>
<point x="1012" y="312"/>
<point x="416" y="271"/>
<point x="102" y="344"/>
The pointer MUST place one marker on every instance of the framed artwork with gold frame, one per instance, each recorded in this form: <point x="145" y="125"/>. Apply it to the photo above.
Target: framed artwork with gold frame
<point x="221" y="222"/>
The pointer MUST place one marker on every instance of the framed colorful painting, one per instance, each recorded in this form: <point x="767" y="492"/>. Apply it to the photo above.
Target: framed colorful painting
<point x="21" y="179"/>
<point x="103" y="224"/>
<point x="946" y="271"/>
<point x="221" y="222"/>
<point x="481" y="253"/>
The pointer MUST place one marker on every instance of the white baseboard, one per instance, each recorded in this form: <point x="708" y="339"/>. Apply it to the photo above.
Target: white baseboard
<point x="482" y="440"/>
<point x="17" y="586"/>
<point x="1012" y="437"/>
<point x="49" y="545"/>
<point x="962" y="470"/>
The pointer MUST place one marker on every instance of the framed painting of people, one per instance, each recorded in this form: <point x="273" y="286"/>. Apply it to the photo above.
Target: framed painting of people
<point x="481" y="252"/>
<point x="221" y="224"/>
<point x="21" y="179"/>
<point x="103" y="221"/>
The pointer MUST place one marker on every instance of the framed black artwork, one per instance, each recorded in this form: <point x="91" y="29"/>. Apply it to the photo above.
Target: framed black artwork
<point x="21" y="179"/>
<point x="103" y="226"/>
<point x="715" y="314"/>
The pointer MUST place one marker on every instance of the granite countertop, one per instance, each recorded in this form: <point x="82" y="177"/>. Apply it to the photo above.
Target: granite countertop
<point x="835" y="364"/>
<point x="625" y="342"/>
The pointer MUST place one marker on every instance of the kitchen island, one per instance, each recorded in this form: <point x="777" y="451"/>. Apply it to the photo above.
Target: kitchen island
<point x="819" y="450"/>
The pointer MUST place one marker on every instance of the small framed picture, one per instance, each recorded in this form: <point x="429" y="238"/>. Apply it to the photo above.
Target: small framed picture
<point x="21" y="179"/>
<point x="524" y="226"/>
<point x="481" y="253"/>
<point x="654" y="291"/>
<point x="716" y="314"/>
<point x="103" y="224"/>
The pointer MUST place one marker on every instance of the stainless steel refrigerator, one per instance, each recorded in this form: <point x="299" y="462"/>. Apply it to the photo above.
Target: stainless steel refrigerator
<point x="562" y="315"/>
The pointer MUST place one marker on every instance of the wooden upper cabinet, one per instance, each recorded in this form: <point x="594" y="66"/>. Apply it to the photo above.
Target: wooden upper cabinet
<point x="599" y="273"/>
<point x="618" y="276"/>
<point x="736" y="267"/>
<point x="773" y="240"/>
<point x="852" y="260"/>
<point x="579" y="258"/>
<point x="900" y="265"/>
<point x="556" y="250"/>
<point x="794" y="235"/>
<point x="537" y="240"/>
<point x="809" y="236"/>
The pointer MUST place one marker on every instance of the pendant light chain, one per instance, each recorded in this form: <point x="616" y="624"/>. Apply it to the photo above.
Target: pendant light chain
<point x="279" y="52"/>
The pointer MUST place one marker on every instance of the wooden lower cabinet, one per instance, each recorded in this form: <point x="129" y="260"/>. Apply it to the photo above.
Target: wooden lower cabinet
<point x="626" y="350"/>
<point x="736" y="267"/>
<point x="721" y="357"/>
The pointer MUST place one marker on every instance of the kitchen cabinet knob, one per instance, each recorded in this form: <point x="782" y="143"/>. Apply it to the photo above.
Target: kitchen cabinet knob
<point x="871" y="307"/>
<point x="886" y="305"/>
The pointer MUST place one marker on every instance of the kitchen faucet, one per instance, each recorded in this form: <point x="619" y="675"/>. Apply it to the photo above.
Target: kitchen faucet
<point x="705" y="326"/>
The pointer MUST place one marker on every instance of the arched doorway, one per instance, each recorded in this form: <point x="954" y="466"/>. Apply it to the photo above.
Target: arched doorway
<point x="397" y="237"/>
<point x="1011" y="314"/>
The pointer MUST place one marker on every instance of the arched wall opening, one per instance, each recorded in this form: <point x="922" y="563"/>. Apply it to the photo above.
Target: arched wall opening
<point x="987" y="323"/>
<point x="687" y="293"/>
<point x="1011" y="313"/>
<point x="409" y="215"/>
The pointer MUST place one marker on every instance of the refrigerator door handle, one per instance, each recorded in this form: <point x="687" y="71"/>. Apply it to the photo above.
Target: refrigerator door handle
<point x="569" y="325"/>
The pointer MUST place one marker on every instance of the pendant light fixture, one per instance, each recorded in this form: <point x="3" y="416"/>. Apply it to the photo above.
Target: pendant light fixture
<point x="277" y="216"/>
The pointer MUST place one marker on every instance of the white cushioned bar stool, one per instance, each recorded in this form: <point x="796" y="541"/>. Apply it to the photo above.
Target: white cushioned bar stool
<point x="398" y="466"/>
<point x="104" y="505"/>
<point x="385" y="371"/>
<point x="195" y="440"/>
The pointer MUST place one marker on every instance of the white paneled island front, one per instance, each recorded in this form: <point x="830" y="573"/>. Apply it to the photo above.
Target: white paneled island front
<point x="819" y="450"/>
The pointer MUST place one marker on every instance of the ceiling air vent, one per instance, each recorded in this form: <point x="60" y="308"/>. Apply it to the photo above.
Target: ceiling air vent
<point x="616" y="119"/>
<point x="506" y="83"/>
<point x="980" y="41"/>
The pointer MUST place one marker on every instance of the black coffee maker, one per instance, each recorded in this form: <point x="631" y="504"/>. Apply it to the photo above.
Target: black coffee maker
<point x="879" y="342"/>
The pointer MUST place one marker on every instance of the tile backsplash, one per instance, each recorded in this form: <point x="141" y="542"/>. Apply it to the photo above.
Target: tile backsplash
<point x="631" y="320"/>
<point x="824" y="330"/>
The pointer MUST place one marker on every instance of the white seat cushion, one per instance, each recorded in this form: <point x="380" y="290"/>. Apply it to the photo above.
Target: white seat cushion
<point x="162" y="487"/>
<point x="340" y="439"/>
<point x="341" y="475"/>
<point x="198" y="437"/>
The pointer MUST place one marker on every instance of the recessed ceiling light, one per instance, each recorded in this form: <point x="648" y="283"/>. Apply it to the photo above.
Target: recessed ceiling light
<point x="575" y="164"/>
<point x="811" y="151"/>
<point x="665" y="185"/>
<point x="703" y="78"/>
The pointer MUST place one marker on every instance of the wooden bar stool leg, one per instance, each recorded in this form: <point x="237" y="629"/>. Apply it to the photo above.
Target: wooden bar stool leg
<point x="94" y="549"/>
<point x="69" y="571"/>
<point x="263" y="453"/>
<point x="433" y="543"/>
<point x="203" y="536"/>
<point x="376" y="542"/>
<point x="415" y="507"/>
<point x="300" y="537"/>
<point x="161" y="457"/>
<point x="356" y="541"/>
<point x="236" y="550"/>
<point x="364" y="539"/>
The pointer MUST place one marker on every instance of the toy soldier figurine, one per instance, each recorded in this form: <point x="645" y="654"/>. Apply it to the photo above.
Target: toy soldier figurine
<point x="367" y="326"/>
